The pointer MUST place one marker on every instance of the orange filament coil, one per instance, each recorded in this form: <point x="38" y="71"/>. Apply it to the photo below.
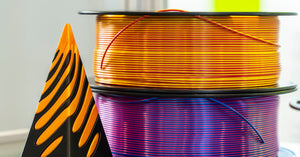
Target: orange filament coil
<point x="187" y="52"/>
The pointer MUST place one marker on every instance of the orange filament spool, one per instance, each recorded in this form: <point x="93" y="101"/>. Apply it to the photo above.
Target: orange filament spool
<point x="187" y="52"/>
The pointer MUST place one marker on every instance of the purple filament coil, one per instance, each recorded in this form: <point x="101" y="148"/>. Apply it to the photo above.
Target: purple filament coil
<point x="236" y="126"/>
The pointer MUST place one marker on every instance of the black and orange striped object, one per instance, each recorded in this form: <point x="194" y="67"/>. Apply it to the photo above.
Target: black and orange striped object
<point x="66" y="122"/>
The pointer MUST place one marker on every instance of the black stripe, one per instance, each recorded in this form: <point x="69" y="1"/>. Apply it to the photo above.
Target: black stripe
<point x="56" y="53"/>
<point x="51" y="73"/>
<point x="86" y="117"/>
<point x="82" y="96"/>
<point x="78" y="79"/>
<point x="58" y="77"/>
<point x="81" y="101"/>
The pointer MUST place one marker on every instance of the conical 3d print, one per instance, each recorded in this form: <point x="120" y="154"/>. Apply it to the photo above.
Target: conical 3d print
<point x="66" y="123"/>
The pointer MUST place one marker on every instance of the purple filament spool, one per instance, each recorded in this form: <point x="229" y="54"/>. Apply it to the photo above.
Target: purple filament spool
<point x="139" y="126"/>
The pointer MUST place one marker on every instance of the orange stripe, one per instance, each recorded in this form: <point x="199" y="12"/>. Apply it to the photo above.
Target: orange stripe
<point x="52" y="147"/>
<point x="80" y="118"/>
<point x="89" y="126"/>
<point x="93" y="145"/>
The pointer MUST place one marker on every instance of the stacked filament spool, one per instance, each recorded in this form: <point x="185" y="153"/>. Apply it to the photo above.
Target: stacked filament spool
<point x="188" y="83"/>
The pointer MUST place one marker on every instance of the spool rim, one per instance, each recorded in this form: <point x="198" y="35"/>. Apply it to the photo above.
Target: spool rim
<point x="280" y="88"/>
<point x="91" y="12"/>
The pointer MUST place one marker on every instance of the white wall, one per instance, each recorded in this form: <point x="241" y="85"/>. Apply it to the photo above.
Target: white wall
<point x="191" y="5"/>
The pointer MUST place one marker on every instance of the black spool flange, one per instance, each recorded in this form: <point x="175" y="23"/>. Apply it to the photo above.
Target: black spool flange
<point x="173" y="13"/>
<point x="280" y="88"/>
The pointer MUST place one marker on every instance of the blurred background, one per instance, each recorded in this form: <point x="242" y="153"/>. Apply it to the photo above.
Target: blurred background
<point x="30" y="31"/>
